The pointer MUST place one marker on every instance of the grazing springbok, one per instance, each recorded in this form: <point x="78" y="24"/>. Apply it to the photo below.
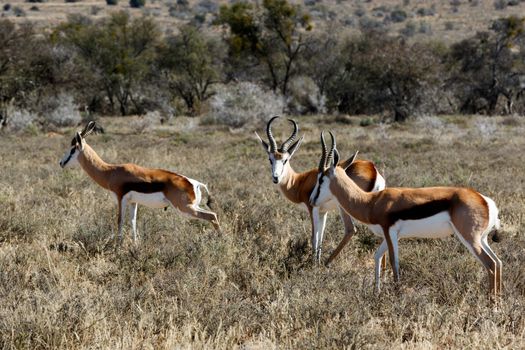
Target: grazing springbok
<point x="431" y="212"/>
<point x="297" y="187"/>
<point x="133" y="184"/>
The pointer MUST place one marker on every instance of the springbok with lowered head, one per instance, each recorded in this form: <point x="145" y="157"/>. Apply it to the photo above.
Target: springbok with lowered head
<point x="133" y="184"/>
<point x="297" y="187"/>
<point x="431" y="212"/>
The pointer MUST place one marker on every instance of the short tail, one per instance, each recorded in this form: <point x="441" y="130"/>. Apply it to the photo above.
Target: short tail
<point x="496" y="236"/>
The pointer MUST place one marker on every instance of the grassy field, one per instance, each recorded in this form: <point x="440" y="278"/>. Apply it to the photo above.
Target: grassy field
<point x="64" y="285"/>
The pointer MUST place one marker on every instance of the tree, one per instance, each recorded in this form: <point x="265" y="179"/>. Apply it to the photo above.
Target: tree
<point x="384" y="73"/>
<point x="484" y="67"/>
<point x="15" y="61"/>
<point x="120" y="51"/>
<point x="273" y="36"/>
<point x="191" y="63"/>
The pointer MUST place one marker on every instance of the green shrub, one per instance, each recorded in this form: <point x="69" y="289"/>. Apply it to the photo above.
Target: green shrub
<point x="111" y="2"/>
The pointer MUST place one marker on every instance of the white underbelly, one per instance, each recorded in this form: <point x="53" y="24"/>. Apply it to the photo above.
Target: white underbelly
<point x="152" y="200"/>
<point x="435" y="226"/>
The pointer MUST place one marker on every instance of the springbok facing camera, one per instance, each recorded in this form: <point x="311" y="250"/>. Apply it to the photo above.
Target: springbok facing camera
<point x="432" y="212"/>
<point x="132" y="184"/>
<point x="297" y="187"/>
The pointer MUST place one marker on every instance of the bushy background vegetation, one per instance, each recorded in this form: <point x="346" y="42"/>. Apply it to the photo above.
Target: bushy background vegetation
<point x="123" y="64"/>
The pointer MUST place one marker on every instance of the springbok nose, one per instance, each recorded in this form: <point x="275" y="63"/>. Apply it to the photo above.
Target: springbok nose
<point x="61" y="165"/>
<point x="275" y="180"/>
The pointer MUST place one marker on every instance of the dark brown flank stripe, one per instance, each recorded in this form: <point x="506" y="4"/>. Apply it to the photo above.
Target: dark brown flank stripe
<point x="143" y="187"/>
<point x="421" y="211"/>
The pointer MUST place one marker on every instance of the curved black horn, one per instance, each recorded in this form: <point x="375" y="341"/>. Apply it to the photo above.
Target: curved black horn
<point x="291" y="139"/>
<point x="88" y="129"/>
<point x="331" y="154"/>
<point x="271" y="139"/>
<point x="322" y="162"/>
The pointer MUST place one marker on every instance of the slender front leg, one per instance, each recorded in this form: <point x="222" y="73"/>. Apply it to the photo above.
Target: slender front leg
<point x="133" y="213"/>
<point x="122" y="204"/>
<point x="379" y="257"/>
<point x="349" y="232"/>
<point x="320" y="234"/>
<point x="314" y="217"/>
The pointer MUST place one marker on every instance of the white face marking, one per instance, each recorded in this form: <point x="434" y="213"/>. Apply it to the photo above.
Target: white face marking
<point x="70" y="158"/>
<point x="152" y="200"/>
<point x="278" y="167"/>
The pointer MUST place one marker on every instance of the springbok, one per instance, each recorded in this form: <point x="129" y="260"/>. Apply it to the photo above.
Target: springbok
<point x="133" y="184"/>
<point x="431" y="212"/>
<point x="297" y="187"/>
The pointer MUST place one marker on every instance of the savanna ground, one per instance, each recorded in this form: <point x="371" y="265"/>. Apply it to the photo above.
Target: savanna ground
<point x="64" y="285"/>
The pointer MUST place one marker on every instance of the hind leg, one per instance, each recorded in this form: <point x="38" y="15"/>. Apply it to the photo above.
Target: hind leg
<point x="199" y="213"/>
<point x="476" y="248"/>
<point x="499" y="266"/>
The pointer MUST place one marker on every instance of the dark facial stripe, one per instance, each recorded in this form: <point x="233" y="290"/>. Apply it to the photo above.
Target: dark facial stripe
<point x="143" y="187"/>
<point x="421" y="211"/>
<point x="318" y="192"/>
<point x="70" y="155"/>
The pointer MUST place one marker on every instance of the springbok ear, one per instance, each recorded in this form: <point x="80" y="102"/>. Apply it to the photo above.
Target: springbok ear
<point x="346" y="164"/>
<point x="263" y="143"/>
<point x="80" y="141"/>
<point x="295" y="146"/>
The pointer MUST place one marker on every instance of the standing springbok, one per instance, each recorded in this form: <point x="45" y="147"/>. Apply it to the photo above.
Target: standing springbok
<point x="297" y="187"/>
<point x="432" y="212"/>
<point x="132" y="184"/>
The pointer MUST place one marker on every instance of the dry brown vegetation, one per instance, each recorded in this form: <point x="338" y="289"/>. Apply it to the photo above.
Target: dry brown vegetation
<point x="449" y="21"/>
<point x="63" y="285"/>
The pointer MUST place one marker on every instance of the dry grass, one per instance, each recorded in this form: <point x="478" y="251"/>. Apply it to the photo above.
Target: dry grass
<point x="63" y="285"/>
